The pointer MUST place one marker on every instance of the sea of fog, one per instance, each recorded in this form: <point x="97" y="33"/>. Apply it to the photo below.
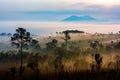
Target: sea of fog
<point x="44" y="28"/>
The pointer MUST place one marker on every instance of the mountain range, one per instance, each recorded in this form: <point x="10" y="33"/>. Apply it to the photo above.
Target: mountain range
<point x="79" y="18"/>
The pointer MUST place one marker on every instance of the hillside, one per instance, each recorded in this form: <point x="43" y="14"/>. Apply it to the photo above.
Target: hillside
<point x="80" y="18"/>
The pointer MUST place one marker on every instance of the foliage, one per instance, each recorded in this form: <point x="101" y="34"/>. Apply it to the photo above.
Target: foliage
<point x="35" y="44"/>
<point x="51" y="45"/>
<point x="21" y="37"/>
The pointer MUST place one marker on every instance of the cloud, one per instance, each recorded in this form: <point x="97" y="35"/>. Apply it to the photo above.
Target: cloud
<point x="54" y="10"/>
<point x="112" y="12"/>
<point x="45" y="15"/>
<point x="115" y="10"/>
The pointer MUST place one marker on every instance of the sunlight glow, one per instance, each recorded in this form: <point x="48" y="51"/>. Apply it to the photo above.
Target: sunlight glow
<point x="108" y="2"/>
<point x="101" y="2"/>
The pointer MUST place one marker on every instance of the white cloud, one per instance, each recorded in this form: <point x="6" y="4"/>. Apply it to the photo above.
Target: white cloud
<point x="32" y="5"/>
<point x="97" y="8"/>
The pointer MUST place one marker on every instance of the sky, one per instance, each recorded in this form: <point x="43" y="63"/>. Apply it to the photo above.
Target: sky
<point x="57" y="10"/>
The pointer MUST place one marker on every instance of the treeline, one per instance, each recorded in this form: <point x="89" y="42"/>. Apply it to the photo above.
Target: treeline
<point x="5" y="34"/>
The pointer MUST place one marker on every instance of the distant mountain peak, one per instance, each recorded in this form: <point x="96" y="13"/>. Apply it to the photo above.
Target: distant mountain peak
<point x="79" y="18"/>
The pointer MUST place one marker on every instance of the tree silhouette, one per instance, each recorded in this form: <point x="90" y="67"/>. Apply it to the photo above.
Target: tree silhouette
<point x="117" y="61"/>
<point x="33" y="64"/>
<point x="21" y="38"/>
<point x="92" y="65"/>
<point x="58" y="63"/>
<point x="52" y="44"/>
<point x="13" y="70"/>
<point x="119" y="32"/>
<point x="66" y="38"/>
<point x="98" y="59"/>
<point x="35" y="44"/>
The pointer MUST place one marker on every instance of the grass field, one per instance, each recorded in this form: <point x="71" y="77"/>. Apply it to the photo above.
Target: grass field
<point x="55" y="63"/>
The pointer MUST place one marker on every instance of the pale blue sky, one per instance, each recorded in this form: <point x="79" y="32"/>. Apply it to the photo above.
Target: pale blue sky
<point x="57" y="10"/>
